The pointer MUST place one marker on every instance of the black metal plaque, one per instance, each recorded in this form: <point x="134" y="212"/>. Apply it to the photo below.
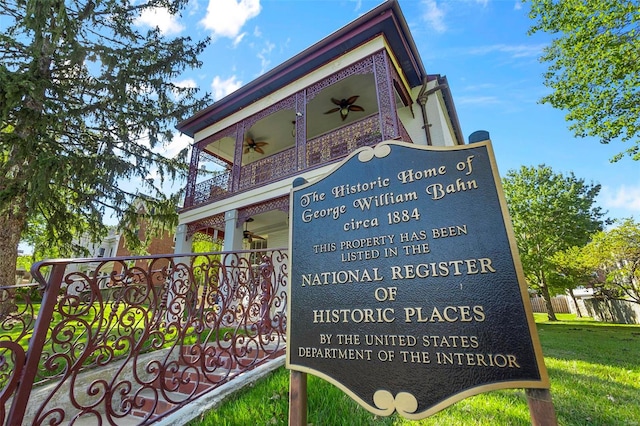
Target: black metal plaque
<point x="406" y="287"/>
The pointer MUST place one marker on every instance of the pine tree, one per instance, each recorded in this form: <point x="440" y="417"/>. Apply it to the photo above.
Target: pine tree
<point x="87" y="101"/>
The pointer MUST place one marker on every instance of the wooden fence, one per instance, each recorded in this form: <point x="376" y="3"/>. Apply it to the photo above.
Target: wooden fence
<point x="559" y="303"/>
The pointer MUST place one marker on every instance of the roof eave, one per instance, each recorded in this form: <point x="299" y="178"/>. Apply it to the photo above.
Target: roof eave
<point x="386" y="19"/>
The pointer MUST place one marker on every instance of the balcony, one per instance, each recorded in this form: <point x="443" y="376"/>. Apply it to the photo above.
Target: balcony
<point x="318" y="125"/>
<point x="323" y="149"/>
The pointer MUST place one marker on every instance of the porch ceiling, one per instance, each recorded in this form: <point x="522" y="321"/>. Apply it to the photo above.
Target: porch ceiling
<point x="268" y="222"/>
<point x="277" y="130"/>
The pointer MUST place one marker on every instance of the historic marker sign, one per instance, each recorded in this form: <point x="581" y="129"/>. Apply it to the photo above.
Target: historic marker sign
<point x="406" y="288"/>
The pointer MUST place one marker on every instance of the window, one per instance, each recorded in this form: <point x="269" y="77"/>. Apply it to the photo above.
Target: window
<point x="255" y="258"/>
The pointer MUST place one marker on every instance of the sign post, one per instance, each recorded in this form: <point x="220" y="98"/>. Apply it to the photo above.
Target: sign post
<point x="406" y="287"/>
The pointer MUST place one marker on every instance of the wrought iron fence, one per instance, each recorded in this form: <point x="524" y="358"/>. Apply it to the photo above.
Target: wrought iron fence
<point x="109" y="341"/>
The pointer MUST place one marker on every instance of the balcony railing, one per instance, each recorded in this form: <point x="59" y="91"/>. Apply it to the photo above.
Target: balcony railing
<point x="338" y="143"/>
<point x="264" y="170"/>
<point x="324" y="149"/>
<point x="216" y="188"/>
<point x="133" y="344"/>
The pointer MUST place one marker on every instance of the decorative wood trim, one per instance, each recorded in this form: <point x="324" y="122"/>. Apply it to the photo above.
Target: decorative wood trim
<point x="386" y="99"/>
<point x="365" y="66"/>
<point x="280" y="203"/>
<point x="216" y="222"/>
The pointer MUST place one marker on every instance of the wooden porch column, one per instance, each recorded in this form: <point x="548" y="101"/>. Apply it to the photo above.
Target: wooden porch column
<point x="193" y="176"/>
<point x="386" y="97"/>
<point x="232" y="234"/>
<point x="183" y="242"/>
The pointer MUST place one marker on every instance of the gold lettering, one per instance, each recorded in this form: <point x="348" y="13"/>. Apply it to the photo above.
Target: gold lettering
<point x="478" y="360"/>
<point x="446" y="314"/>
<point x="442" y="269"/>
<point x="438" y="191"/>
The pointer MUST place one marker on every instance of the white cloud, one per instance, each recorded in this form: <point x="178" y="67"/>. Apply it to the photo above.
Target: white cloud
<point x="516" y="51"/>
<point x="264" y="61"/>
<point x="225" y="18"/>
<point x="480" y="86"/>
<point x="237" y="40"/>
<point x="517" y="5"/>
<point x="193" y="7"/>
<point x="186" y="83"/>
<point x="434" y="15"/>
<point x="161" y="18"/>
<point x="623" y="197"/>
<point x="477" y="100"/>
<point x="222" y="88"/>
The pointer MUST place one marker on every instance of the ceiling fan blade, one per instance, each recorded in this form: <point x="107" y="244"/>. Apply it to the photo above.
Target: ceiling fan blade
<point x="355" y="108"/>
<point x="250" y="144"/>
<point x="352" y="99"/>
<point x="338" y="102"/>
<point x="332" y="110"/>
<point x="249" y="236"/>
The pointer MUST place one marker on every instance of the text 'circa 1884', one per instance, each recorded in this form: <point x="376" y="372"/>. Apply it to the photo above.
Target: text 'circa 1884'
<point x="405" y="278"/>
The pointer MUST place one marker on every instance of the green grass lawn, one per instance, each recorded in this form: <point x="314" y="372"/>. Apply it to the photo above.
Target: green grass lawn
<point x="595" y="380"/>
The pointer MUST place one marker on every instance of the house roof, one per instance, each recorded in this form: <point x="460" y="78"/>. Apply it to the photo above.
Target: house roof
<point x="386" y="19"/>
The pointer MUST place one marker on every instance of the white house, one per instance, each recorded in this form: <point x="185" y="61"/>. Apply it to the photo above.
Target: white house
<point x="361" y="85"/>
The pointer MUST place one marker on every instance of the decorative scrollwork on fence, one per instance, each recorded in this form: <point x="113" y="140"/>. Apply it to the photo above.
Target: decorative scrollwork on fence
<point x="141" y="337"/>
<point x="18" y="309"/>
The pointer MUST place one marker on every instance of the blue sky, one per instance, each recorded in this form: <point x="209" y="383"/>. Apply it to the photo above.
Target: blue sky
<point x="481" y="46"/>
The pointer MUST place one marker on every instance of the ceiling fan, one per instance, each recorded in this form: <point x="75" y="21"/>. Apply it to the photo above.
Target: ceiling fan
<point x="248" y="235"/>
<point x="344" y="106"/>
<point x="250" y="144"/>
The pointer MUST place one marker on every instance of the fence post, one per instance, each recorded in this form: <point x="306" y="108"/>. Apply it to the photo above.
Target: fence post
<point x="36" y="343"/>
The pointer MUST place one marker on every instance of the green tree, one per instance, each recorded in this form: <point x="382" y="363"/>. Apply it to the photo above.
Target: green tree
<point x="571" y="270"/>
<point x="206" y="246"/>
<point x="616" y="253"/>
<point x="88" y="100"/>
<point x="39" y="236"/>
<point x="24" y="262"/>
<point x="594" y="66"/>
<point x="550" y="213"/>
